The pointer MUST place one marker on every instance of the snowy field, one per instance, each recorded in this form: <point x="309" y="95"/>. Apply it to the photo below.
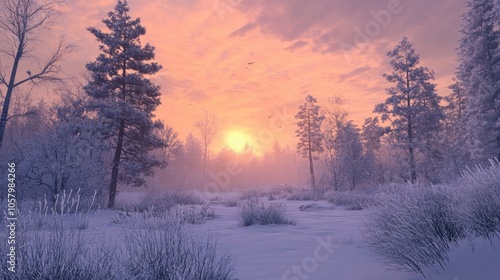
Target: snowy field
<point x="326" y="243"/>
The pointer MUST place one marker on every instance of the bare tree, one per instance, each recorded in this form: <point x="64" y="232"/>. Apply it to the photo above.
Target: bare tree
<point x="21" y="22"/>
<point x="207" y="126"/>
<point x="173" y="143"/>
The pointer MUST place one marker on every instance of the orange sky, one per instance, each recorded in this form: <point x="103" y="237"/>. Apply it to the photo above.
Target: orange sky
<point x="298" y="47"/>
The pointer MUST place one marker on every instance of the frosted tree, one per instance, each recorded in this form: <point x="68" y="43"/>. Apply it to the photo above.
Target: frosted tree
<point x="309" y="122"/>
<point x="21" y="21"/>
<point x="349" y="153"/>
<point x="453" y="142"/>
<point x="124" y="99"/>
<point x="412" y="107"/>
<point x="335" y="117"/>
<point x="173" y="145"/>
<point x="371" y="138"/>
<point x="193" y="154"/>
<point x="63" y="155"/>
<point x="479" y="74"/>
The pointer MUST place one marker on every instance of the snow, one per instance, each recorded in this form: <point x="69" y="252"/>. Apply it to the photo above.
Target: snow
<point x="326" y="243"/>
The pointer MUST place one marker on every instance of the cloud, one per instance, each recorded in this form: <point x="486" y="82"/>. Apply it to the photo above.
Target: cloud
<point x="331" y="25"/>
<point x="354" y="73"/>
<point x="297" y="45"/>
<point x="244" y="29"/>
<point x="197" y="95"/>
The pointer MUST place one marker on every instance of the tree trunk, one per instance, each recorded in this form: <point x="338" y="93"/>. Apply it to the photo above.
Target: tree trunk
<point x="311" y="170"/>
<point x="413" y="170"/>
<point x="205" y="156"/>
<point x="116" y="164"/>
<point x="10" y="89"/>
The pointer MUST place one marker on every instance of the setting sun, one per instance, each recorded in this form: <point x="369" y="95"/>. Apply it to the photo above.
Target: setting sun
<point x="237" y="140"/>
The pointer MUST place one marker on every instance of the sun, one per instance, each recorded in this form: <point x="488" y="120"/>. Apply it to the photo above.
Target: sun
<point x="237" y="140"/>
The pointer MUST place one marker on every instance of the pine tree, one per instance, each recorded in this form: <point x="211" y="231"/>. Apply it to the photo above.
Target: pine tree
<point x="309" y="132"/>
<point x="453" y="141"/>
<point x="193" y="154"/>
<point x="349" y="153"/>
<point x="479" y="74"/>
<point x="412" y="107"/>
<point x="124" y="99"/>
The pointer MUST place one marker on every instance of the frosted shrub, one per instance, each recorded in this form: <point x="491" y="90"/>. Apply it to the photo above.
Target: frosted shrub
<point x="165" y="251"/>
<point x="304" y="194"/>
<point x="157" y="203"/>
<point x="192" y="214"/>
<point x="352" y="200"/>
<point x="414" y="226"/>
<point x="186" y="214"/>
<point x="254" y="212"/>
<point x="59" y="252"/>
<point x="252" y="193"/>
<point x="480" y="189"/>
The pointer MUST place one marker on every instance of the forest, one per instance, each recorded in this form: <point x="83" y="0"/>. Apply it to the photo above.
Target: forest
<point x="96" y="142"/>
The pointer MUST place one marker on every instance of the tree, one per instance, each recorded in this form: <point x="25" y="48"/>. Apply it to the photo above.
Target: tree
<point x="349" y="153"/>
<point x="309" y="132"/>
<point x="124" y="99"/>
<point x="173" y="145"/>
<point x="371" y="137"/>
<point x="63" y="154"/>
<point x="207" y="127"/>
<point x="21" y="22"/>
<point x="479" y="74"/>
<point x="335" y="117"/>
<point x="453" y="141"/>
<point x="412" y="107"/>
<point x="193" y="153"/>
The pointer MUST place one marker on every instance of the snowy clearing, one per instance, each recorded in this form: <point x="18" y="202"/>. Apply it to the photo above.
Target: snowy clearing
<point x="326" y="243"/>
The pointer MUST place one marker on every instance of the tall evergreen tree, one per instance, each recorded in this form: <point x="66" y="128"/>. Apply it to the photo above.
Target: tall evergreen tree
<point x="412" y="107"/>
<point x="349" y="153"/>
<point x="124" y="99"/>
<point x="453" y="141"/>
<point x="309" y="132"/>
<point x="479" y="74"/>
<point x="371" y="137"/>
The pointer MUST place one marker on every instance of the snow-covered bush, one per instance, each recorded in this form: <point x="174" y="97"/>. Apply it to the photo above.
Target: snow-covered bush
<point x="166" y="251"/>
<point x="252" y="193"/>
<point x="193" y="214"/>
<point x="230" y="202"/>
<point x="255" y="212"/>
<point x="58" y="251"/>
<point x="185" y="214"/>
<point x="66" y="206"/>
<point x="304" y="194"/>
<point x="352" y="200"/>
<point x="414" y="226"/>
<point x="159" y="202"/>
<point x="480" y="192"/>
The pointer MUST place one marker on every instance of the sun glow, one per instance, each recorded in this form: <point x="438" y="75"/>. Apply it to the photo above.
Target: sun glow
<point x="237" y="140"/>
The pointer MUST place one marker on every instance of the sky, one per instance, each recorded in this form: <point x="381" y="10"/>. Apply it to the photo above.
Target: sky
<point x="252" y="62"/>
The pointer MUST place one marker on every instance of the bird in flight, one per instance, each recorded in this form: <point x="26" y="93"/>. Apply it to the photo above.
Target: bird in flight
<point x="250" y="63"/>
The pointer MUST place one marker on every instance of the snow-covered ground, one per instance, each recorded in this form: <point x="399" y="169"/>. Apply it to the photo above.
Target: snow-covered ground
<point x="326" y="243"/>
